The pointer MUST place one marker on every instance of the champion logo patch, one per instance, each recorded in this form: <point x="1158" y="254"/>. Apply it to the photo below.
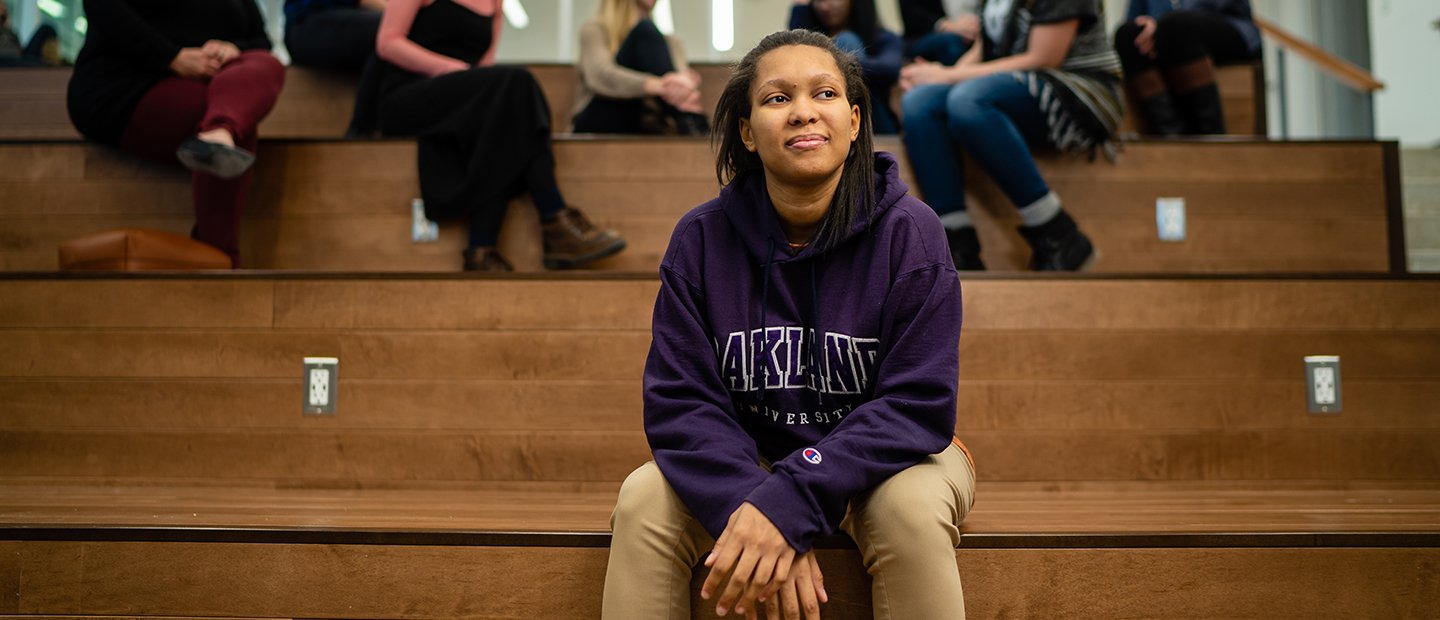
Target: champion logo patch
<point x="812" y="455"/>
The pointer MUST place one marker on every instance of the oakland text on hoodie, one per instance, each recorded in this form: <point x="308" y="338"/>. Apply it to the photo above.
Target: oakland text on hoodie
<point x="839" y="366"/>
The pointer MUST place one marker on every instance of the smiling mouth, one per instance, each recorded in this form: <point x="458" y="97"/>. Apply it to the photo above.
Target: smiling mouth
<point x="806" y="142"/>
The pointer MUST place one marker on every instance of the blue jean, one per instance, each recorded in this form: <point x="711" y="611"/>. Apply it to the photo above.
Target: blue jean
<point x="943" y="47"/>
<point x="993" y="119"/>
<point x="337" y="39"/>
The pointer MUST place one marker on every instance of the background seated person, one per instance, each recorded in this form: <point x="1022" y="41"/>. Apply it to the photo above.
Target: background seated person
<point x="1170" y="48"/>
<point x="855" y="29"/>
<point x="633" y="79"/>
<point x="482" y="130"/>
<point x="1044" y="75"/>
<point x="184" y="81"/>
<point x="43" y="48"/>
<point x="939" y="30"/>
<point x="338" y="35"/>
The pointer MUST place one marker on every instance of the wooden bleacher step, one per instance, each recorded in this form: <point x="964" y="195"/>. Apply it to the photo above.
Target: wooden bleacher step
<point x="153" y="461"/>
<point x="454" y="381"/>
<point x="318" y="104"/>
<point x="345" y="206"/>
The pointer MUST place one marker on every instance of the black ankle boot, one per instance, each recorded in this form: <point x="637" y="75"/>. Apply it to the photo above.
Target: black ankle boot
<point x="1058" y="245"/>
<point x="1163" y="118"/>
<point x="1204" y="115"/>
<point x="965" y="249"/>
<point x="485" y="259"/>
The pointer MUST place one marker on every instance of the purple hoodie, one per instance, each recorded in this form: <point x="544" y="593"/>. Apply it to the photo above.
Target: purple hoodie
<point x="732" y="379"/>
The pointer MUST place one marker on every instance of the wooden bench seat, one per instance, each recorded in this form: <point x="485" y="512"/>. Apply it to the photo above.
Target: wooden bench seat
<point x="1251" y="206"/>
<point x="318" y="104"/>
<point x="1121" y="550"/>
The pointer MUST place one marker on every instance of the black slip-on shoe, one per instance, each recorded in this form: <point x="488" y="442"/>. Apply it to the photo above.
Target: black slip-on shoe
<point x="224" y="161"/>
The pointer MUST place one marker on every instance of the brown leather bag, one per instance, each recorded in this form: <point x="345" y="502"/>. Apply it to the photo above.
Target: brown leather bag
<point x="139" y="250"/>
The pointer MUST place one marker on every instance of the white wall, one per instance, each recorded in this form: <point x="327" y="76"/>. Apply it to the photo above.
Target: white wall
<point x="1405" y="52"/>
<point x="1301" y="80"/>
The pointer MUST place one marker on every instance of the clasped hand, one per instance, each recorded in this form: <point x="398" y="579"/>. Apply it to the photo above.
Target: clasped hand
<point x="753" y="563"/>
<point x="682" y="90"/>
<point x="198" y="63"/>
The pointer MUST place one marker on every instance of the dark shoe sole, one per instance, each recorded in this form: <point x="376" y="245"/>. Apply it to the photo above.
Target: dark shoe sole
<point x="226" y="162"/>
<point x="571" y="262"/>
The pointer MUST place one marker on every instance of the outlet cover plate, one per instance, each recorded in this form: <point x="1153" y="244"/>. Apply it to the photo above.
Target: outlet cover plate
<point x="322" y="378"/>
<point x="1322" y="383"/>
<point x="422" y="229"/>
<point x="1170" y="218"/>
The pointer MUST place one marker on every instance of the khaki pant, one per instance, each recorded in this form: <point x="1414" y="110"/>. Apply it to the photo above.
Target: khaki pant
<point x="907" y="529"/>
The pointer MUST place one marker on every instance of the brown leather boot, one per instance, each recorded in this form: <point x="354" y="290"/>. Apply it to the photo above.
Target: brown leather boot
<point x="486" y="259"/>
<point x="571" y="240"/>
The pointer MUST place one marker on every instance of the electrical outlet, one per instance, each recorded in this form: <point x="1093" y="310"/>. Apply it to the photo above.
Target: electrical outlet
<point x="1170" y="218"/>
<point x="1322" y="382"/>
<point x="422" y="229"/>
<point x="322" y="379"/>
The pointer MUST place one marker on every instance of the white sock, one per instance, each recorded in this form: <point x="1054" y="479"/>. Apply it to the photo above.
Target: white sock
<point x="1041" y="211"/>
<point x="955" y="220"/>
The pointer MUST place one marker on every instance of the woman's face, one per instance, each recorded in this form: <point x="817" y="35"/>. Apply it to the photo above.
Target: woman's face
<point x="834" y="14"/>
<point x="801" y="125"/>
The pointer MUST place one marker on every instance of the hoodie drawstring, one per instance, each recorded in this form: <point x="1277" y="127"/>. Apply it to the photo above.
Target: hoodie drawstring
<point x="817" y="343"/>
<point x="820" y="335"/>
<point x="764" y="318"/>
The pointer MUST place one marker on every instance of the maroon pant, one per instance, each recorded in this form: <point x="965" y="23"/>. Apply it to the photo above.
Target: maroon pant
<point x="237" y="99"/>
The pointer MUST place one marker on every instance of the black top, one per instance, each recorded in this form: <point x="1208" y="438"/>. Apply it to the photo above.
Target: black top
<point x="448" y="29"/>
<point x="129" y="46"/>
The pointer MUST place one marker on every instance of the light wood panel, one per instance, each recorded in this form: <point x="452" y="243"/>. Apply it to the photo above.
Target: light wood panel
<point x="121" y="303"/>
<point x="358" y="458"/>
<point x="478" y="582"/>
<point x="1088" y="508"/>
<point x="345" y="206"/>
<point x="32" y="104"/>
<point x="326" y="458"/>
<point x="1199" y="583"/>
<point x="484" y="405"/>
<point x="1205" y="455"/>
<point x="614" y="405"/>
<point x="985" y="354"/>
<point x="546" y="303"/>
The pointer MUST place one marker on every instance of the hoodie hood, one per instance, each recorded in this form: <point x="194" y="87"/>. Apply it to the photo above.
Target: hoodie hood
<point x="746" y="204"/>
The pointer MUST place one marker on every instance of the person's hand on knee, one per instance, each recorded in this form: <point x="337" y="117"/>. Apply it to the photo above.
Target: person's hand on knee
<point x="750" y="555"/>
<point x="1145" y="41"/>
<point x="799" y="598"/>
<point x="193" y="63"/>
